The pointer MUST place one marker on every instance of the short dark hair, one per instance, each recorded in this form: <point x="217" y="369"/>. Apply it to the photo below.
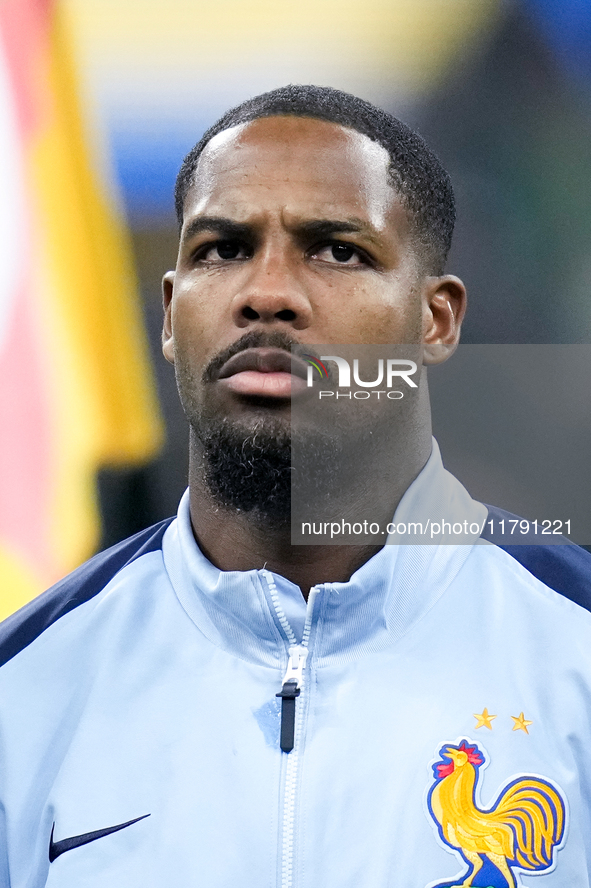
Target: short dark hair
<point x="415" y="171"/>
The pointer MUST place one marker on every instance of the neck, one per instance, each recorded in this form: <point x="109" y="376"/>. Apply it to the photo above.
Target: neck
<point x="236" y="545"/>
<point x="236" y="540"/>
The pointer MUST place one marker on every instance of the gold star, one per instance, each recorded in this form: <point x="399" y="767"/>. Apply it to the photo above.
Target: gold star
<point x="484" y="719"/>
<point x="521" y="723"/>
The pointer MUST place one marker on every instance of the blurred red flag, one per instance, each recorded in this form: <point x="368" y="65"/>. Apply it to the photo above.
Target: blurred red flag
<point x="76" y="390"/>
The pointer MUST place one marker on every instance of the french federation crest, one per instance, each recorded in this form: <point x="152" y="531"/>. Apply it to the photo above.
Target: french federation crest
<point x="519" y="833"/>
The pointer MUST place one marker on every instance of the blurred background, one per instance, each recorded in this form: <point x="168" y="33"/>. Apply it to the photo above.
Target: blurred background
<point x="100" y="100"/>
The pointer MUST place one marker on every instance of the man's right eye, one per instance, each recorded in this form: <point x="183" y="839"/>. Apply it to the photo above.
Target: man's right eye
<point x="223" y="251"/>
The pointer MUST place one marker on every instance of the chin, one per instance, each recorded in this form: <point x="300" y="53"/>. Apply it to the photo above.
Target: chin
<point x="247" y="465"/>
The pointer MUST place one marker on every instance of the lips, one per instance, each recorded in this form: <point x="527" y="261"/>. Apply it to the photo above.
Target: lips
<point x="264" y="372"/>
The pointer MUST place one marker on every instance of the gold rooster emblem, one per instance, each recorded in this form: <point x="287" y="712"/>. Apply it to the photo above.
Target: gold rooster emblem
<point x="520" y="830"/>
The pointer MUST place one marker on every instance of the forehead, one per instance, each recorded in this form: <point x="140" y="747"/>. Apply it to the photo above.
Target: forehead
<point x="303" y="166"/>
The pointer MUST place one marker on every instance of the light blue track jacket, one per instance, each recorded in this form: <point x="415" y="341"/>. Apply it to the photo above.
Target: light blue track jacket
<point x="443" y="724"/>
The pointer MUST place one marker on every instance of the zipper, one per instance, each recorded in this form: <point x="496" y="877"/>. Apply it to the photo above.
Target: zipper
<point x="291" y="720"/>
<point x="290" y="690"/>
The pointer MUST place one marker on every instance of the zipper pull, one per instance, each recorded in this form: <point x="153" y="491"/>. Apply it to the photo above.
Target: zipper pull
<point x="292" y="682"/>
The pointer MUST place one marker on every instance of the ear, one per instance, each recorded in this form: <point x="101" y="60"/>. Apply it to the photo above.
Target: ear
<point x="444" y="309"/>
<point x="167" y="340"/>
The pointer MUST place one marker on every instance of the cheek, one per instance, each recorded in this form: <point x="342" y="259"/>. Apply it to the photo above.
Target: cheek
<point x="382" y="316"/>
<point x="188" y="339"/>
<point x="194" y="325"/>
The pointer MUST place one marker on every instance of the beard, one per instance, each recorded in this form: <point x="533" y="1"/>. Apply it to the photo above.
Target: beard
<point x="251" y="470"/>
<point x="247" y="470"/>
<point x="246" y="464"/>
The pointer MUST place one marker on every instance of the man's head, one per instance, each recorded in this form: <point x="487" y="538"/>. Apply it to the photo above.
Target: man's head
<point x="414" y="170"/>
<point x="298" y="230"/>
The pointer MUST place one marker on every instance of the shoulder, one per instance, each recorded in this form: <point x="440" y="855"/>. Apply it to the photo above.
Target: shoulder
<point x="79" y="587"/>
<point x="561" y="566"/>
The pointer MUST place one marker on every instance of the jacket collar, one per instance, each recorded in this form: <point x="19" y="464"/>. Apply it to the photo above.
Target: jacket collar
<point x="237" y="610"/>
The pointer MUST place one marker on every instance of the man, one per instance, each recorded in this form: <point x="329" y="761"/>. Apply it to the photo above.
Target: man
<point x="208" y="705"/>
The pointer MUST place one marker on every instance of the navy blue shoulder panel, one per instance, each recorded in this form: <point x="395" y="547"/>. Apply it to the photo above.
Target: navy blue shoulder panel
<point x="23" y="627"/>
<point x="563" y="566"/>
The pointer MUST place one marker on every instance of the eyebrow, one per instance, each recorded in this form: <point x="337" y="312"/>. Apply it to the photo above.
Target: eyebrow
<point x="218" y="224"/>
<point x="324" y="227"/>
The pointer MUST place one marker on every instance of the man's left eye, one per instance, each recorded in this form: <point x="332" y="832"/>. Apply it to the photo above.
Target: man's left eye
<point x="344" y="254"/>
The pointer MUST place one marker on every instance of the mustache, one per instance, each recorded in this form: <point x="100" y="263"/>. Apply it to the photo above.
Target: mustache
<point x="255" y="339"/>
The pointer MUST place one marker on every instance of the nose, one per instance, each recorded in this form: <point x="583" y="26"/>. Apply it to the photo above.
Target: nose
<point x="271" y="293"/>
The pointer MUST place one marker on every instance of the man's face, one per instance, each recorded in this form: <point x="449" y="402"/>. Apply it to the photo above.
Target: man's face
<point x="292" y="233"/>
